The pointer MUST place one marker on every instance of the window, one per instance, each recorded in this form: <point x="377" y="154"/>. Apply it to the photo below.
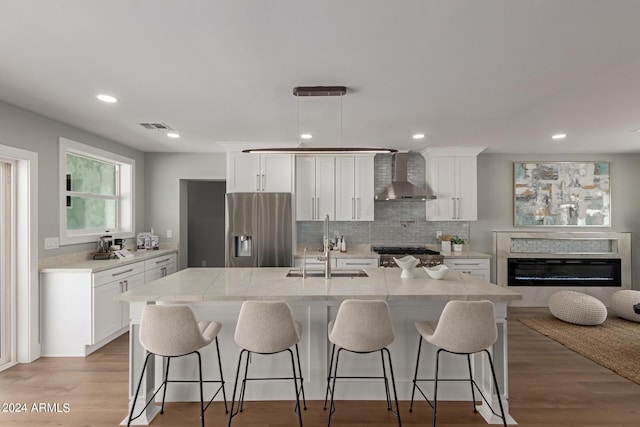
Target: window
<point x="96" y="193"/>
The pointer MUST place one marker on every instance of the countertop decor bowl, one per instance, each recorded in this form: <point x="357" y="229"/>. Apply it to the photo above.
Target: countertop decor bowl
<point x="407" y="264"/>
<point x="437" y="272"/>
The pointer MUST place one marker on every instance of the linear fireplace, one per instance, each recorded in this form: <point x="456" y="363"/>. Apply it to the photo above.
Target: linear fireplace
<point x="538" y="264"/>
<point x="564" y="272"/>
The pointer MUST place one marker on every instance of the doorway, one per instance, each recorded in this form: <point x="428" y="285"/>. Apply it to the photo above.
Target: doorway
<point x="7" y="288"/>
<point x="205" y="223"/>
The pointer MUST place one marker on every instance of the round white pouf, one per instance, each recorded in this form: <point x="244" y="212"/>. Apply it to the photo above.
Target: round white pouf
<point x="576" y="307"/>
<point x="622" y="303"/>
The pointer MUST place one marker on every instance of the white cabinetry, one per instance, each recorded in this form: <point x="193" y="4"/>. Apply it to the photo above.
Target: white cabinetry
<point x="357" y="262"/>
<point x="452" y="176"/>
<point x="313" y="263"/>
<point x="354" y="188"/>
<point x="476" y="267"/>
<point x="315" y="188"/>
<point x="79" y="313"/>
<point x="248" y="173"/>
<point x="158" y="267"/>
<point x="110" y="316"/>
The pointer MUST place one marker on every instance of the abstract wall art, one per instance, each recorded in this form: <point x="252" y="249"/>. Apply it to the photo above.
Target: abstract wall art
<point x="562" y="194"/>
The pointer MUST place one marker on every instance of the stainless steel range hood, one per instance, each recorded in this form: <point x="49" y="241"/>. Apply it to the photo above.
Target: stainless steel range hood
<point x="400" y="187"/>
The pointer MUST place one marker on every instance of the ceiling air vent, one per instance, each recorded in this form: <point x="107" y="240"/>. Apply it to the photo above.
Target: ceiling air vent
<point x="156" y="126"/>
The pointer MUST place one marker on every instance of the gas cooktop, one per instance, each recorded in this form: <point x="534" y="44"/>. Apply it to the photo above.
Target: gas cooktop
<point x="403" y="250"/>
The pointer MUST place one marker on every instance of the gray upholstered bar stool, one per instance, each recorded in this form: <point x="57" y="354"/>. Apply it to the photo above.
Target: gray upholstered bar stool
<point x="361" y="326"/>
<point x="173" y="331"/>
<point x="267" y="327"/>
<point x="465" y="328"/>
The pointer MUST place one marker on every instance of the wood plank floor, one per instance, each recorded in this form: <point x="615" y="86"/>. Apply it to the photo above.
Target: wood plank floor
<point x="550" y="386"/>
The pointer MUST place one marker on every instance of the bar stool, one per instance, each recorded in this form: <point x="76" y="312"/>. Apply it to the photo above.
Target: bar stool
<point x="465" y="328"/>
<point x="173" y="331"/>
<point x="267" y="327"/>
<point x="361" y="326"/>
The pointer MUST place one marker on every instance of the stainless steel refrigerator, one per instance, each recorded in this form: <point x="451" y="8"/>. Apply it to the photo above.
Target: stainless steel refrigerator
<point x="258" y="230"/>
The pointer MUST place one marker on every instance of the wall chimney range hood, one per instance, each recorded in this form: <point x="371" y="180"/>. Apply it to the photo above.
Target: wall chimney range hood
<point x="400" y="187"/>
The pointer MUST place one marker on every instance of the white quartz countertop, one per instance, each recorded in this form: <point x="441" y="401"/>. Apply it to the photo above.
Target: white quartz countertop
<point x="94" y="266"/>
<point x="239" y="284"/>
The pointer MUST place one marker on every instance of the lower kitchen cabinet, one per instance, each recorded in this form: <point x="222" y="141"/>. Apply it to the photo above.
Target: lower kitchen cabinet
<point x="476" y="267"/>
<point x="79" y="313"/>
<point x="159" y="267"/>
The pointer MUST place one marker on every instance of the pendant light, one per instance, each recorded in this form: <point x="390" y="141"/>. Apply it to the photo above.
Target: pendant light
<point x="320" y="91"/>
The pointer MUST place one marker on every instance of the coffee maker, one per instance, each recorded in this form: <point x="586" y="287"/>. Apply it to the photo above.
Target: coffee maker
<point x="104" y="244"/>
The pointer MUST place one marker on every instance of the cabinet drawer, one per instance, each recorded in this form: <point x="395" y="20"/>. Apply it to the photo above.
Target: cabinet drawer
<point x="117" y="273"/>
<point x="312" y="263"/>
<point x="357" y="262"/>
<point x="160" y="261"/>
<point x="467" y="264"/>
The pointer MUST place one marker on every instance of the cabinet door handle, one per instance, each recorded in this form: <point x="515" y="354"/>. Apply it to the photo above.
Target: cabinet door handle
<point x="122" y="272"/>
<point x="313" y="208"/>
<point x="262" y="182"/>
<point x="318" y="208"/>
<point x="353" y="208"/>
<point x="126" y="285"/>
<point x="457" y="207"/>
<point x="358" y="210"/>
<point x="257" y="182"/>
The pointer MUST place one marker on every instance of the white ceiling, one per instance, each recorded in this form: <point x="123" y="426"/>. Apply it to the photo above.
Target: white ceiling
<point x="501" y="74"/>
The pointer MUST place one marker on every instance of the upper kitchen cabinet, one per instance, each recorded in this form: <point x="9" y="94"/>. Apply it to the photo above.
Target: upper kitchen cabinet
<point x="355" y="192"/>
<point x="452" y="176"/>
<point x="248" y="173"/>
<point x="315" y="187"/>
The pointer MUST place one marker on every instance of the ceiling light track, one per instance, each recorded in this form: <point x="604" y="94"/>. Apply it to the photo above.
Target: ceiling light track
<point x="319" y="90"/>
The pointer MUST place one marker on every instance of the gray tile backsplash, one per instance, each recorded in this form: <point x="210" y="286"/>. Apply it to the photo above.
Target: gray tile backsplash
<point x="396" y="222"/>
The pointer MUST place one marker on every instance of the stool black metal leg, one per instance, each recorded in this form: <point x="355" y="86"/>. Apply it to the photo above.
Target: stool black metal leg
<point x="135" y="396"/>
<point x="386" y="381"/>
<point x="326" y="394"/>
<point x="235" y="387"/>
<point x="435" y="389"/>
<point x="295" y="387"/>
<point x="224" y="394"/>
<point x="495" y="383"/>
<point x="164" y="384"/>
<point x="201" y="390"/>
<point x="244" y="383"/>
<point x="473" y="393"/>
<point x="393" y="383"/>
<point x="304" y="399"/>
<point x="333" y="388"/>
<point x="415" y="376"/>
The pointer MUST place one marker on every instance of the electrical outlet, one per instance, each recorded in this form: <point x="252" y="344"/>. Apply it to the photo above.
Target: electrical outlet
<point x="438" y="234"/>
<point x="169" y="234"/>
<point x="51" y="243"/>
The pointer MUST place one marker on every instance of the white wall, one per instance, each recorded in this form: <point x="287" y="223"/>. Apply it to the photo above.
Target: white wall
<point x="495" y="199"/>
<point x="29" y="131"/>
<point x="166" y="176"/>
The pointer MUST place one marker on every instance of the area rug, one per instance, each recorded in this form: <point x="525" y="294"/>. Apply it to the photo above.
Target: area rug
<point x="615" y="344"/>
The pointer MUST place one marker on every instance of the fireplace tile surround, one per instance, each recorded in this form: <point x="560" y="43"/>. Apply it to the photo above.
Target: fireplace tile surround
<point x="588" y="245"/>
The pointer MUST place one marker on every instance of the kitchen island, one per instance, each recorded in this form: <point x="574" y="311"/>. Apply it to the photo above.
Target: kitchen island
<point x="217" y="293"/>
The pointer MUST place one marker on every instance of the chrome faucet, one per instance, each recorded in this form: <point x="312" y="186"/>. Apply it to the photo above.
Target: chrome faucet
<point x="304" y="264"/>
<point x="327" y="250"/>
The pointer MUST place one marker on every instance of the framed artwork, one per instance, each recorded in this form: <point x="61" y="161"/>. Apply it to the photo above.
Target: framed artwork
<point x="561" y="194"/>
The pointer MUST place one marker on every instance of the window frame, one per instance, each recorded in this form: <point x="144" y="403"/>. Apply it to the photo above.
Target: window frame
<point x="125" y="178"/>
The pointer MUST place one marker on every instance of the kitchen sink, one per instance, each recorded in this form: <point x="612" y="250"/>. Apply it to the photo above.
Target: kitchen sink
<point x="334" y="273"/>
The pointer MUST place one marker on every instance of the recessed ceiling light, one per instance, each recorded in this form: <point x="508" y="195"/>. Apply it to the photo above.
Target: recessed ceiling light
<point x="306" y="136"/>
<point x="418" y="136"/>
<point x="107" y="98"/>
<point x="559" y="136"/>
<point x="173" y="135"/>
